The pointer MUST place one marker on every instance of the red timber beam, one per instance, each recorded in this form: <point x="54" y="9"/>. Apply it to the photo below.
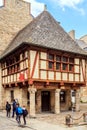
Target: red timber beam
<point x="83" y="71"/>
<point x="33" y="68"/>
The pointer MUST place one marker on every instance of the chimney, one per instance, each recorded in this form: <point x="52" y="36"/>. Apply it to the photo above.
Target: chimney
<point x="45" y="7"/>
<point x="72" y="34"/>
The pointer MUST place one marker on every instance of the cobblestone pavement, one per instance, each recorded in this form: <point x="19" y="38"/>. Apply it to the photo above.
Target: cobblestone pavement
<point x="44" y="121"/>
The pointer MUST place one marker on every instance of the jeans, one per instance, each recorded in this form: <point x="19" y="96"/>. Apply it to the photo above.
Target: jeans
<point x="24" y="118"/>
<point x="8" y="113"/>
<point x="18" y="117"/>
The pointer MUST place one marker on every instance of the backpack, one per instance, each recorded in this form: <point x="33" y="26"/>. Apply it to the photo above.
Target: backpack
<point x="25" y="112"/>
<point x="19" y="110"/>
<point x="9" y="107"/>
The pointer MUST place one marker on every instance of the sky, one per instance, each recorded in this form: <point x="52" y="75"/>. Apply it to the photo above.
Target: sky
<point x="72" y="14"/>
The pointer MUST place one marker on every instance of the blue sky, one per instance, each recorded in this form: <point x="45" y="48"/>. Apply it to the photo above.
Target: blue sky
<point x="72" y="14"/>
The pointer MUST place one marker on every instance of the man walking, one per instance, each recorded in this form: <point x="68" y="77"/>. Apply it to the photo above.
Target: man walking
<point x="13" y="108"/>
<point x="8" y="109"/>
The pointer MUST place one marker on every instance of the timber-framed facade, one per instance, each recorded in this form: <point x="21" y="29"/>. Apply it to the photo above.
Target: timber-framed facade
<point x="41" y="66"/>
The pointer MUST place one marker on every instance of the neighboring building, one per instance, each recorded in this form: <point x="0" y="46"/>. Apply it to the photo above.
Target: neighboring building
<point x="84" y="38"/>
<point x="82" y="42"/>
<point x="14" y="15"/>
<point x="41" y="66"/>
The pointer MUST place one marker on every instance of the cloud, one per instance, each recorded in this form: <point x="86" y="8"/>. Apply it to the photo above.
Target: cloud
<point x="36" y="7"/>
<point x="1" y="2"/>
<point x="71" y="4"/>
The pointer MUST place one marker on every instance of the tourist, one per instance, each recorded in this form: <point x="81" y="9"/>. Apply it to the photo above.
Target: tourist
<point x="13" y="108"/>
<point x="8" y="109"/>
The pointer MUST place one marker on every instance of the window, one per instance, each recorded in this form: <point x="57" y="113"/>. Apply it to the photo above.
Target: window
<point x="71" y="67"/>
<point x="60" y="63"/>
<point x="51" y="61"/>
<point x="17" y="58"/>
<point x="51" y="57"/>
<point x="58" y="58"/>
<point x="64" y="66"/>
<point x="51" y="65"/>
<point x="58" y="66"/>
<point x="71" y="60"/>
<point x="62" y="96"/>
<point x="23" y="55"/>
<point x="64" y="59"/>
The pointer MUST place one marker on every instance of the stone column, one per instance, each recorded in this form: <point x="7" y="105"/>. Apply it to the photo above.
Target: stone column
<point x="32" y="101"/>
<point x="57" y="101"/>
<point x="68" y="99"/>
<point x="78" y="100"/>
<point x="2" y="94"/>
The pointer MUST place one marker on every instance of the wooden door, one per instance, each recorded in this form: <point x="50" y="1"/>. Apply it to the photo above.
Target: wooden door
<point x="45" y="95"/>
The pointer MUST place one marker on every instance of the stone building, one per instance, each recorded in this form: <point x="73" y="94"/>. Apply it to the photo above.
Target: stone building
<point x="42" y="66"/>
<point x="14" y="15"/>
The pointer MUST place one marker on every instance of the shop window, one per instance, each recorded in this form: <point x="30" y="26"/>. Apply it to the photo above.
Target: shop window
<point x="62" y="96"/>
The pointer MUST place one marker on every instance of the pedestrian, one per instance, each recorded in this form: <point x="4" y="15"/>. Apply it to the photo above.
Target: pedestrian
<point x="19" y="113"/>
<point x="13" y="108"/>
<point x="8" y="109"/>
<point x="25" y="113"/>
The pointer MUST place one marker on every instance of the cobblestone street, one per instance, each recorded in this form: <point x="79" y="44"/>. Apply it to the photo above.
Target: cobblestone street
<point x="43" y="122"/>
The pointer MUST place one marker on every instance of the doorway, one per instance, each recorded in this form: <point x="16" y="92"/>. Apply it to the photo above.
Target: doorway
<point x="45" y="100"/>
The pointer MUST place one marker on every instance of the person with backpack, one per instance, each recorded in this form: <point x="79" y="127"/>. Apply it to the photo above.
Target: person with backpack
<point x="8" y="109"/>
<point x="25" y="113"/>
<point x="19" y="113"/>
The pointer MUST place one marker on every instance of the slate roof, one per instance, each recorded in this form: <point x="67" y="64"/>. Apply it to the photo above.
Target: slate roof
<point x="45" y="31"/>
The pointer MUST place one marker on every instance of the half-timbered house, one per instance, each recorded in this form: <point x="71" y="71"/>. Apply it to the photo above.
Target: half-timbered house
<point x="42" y="66"/>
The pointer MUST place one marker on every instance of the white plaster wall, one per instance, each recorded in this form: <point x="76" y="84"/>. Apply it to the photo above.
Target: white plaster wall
<point x="43" y="74"/>
<point x="43" y="65"/>
<point x="71" y="77"/>
<point x="76" y="69"/>
<point x="64" y="76"/>
<point x="36" y="71"/>
<point x="51" y="75"/>
<point x="43" y="55"/>
<point x="77" y="61"/>
<point x="32" y="58"/>
<point x="81" y="74"/>
<point x="15" y="77"/>
<point x="58" y="76"/>
<point x="76" y="77"/>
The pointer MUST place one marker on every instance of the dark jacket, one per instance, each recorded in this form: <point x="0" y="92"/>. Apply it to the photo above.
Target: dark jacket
<point x="8" y="107"/>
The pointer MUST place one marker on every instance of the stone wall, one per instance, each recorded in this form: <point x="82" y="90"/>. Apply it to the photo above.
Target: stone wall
<point x="14" y="15"/>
